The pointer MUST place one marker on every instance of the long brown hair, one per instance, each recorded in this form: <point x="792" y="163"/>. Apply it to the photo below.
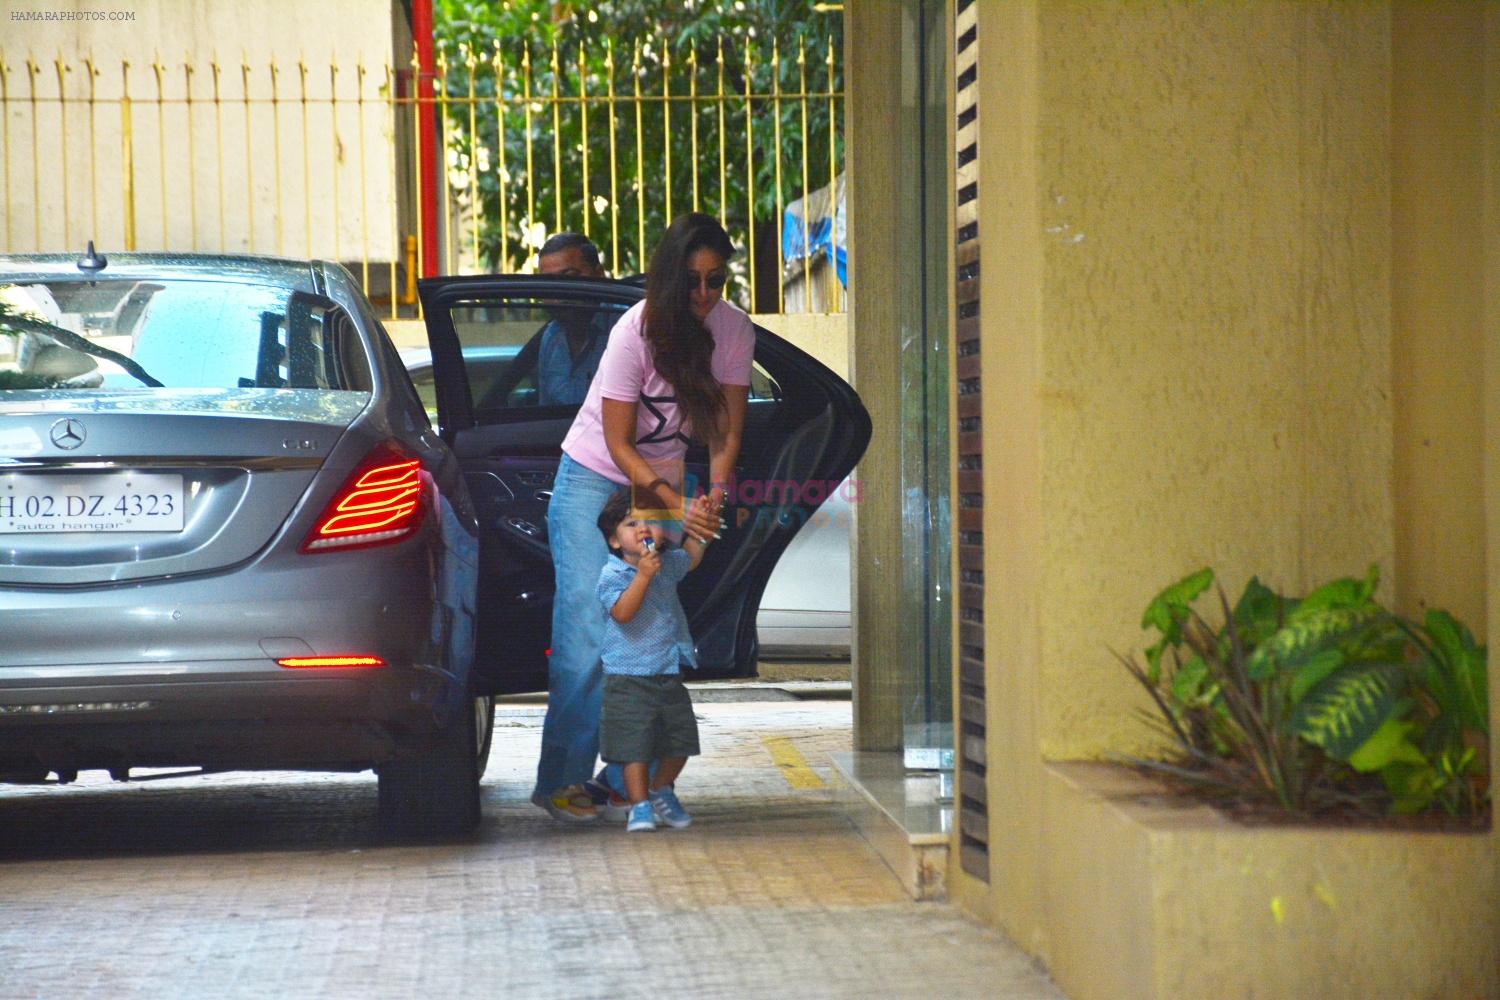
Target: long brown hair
<point x="682" y="346"/>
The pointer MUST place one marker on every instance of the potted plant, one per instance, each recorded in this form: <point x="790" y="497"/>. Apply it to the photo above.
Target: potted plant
<point x="1323" y="704"/>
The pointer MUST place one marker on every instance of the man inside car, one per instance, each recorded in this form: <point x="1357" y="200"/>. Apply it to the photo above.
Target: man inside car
<point x="565" y="353"/>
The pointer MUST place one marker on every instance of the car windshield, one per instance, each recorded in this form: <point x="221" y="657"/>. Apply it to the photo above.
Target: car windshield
<point x="175" y="334"/>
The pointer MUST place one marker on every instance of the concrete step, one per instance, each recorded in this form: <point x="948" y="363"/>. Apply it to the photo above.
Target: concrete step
<point x="902" y="814"/>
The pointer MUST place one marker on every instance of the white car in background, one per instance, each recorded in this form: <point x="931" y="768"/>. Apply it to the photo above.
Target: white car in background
<point x="804" y="611"/>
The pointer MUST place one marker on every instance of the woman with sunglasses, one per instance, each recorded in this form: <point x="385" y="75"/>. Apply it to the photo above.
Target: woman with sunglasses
<point x="676" y="369"/>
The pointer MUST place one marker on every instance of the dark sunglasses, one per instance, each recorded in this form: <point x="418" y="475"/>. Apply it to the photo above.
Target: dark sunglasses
<point x="713" y="282"/>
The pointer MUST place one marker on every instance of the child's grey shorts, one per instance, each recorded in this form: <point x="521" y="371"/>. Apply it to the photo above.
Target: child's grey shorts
<point x="646" y="718"/>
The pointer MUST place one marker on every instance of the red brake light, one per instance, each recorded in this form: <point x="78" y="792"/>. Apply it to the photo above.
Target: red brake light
<point x="380" y="502"/>
<point x="347" y="660"/>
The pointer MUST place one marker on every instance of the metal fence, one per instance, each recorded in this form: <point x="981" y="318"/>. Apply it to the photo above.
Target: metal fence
<point x="322" y="161"/>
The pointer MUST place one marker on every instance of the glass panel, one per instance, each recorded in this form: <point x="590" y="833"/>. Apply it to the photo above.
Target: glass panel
<point x="927" y="706"/>
<point x="117" y="334"/>
<point x="762" y="385"/>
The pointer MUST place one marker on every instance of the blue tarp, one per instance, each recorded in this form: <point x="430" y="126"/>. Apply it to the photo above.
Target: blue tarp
<point x="826" y="233"/>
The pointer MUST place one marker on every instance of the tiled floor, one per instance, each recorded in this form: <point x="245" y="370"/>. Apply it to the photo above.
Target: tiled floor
<point x="275" y="885"/>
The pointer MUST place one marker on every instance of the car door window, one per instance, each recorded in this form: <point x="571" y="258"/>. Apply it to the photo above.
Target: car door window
<point x="530" y="353"/>
<point x="762" y="385"/>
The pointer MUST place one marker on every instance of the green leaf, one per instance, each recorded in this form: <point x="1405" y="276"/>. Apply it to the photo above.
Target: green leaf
<point x="1461" y="668"/>
<point x="1168" y="609"/>
<point x="1343" y="593"/>
<point x="1153" y="662"/>
<point x="1345" y="708"/>
<point x="1258" y="612"/>
<point x="1413" y="787"/>
<point x="1311" y="673"/>
<point x="1386" y="746"/>
<point x="1189" y="681"/>
<point x="1305" y="635"/>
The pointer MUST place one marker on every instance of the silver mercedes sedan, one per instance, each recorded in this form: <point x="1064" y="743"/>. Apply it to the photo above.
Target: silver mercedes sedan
<point x="229" y="537"/>
<point x="233" y="535"/>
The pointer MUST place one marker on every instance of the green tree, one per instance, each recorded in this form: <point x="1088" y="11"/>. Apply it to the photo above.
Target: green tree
<point x="675" y="37"/>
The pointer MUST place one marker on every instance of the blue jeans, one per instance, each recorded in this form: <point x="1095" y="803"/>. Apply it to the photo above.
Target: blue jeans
<point x="575" y="675"/>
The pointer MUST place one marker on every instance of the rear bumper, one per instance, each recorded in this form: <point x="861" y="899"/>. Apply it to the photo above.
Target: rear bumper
<point x="304" y="722"/>
<point x="184" y="672"/>
<point x="225" y="715"/>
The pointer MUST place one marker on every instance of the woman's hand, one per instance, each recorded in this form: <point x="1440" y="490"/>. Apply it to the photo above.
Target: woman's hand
<point x="702" y="519"/>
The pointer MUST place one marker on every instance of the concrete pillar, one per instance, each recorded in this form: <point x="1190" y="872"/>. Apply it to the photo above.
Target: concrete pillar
<point x="872" y="58"/>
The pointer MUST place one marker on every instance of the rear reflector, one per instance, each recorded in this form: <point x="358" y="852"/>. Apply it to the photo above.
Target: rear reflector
<point x="380" y="502"/>
<point x="348" y="660"/>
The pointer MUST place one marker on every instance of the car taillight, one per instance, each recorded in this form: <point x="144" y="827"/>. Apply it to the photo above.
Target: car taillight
<point x="343" y="660"/>
<point x="380" y="502"/>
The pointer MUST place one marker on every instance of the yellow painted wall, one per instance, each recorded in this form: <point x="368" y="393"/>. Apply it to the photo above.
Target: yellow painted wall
<point x="1214" y="199"/>
<point x="1437" y="296"/>
<point x="1490" y="213"/>
<point x="1189" y="338"/>
<point x="824" y="336"/>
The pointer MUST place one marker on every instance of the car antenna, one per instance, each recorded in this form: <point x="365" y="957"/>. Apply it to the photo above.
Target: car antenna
<point x="90" y="261"/>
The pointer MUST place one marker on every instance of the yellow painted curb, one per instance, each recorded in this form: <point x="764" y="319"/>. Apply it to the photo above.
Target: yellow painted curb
<point x="793" y="765"/>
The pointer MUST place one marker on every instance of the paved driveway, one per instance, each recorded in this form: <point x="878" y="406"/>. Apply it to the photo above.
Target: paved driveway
<point x="276" y="885"/>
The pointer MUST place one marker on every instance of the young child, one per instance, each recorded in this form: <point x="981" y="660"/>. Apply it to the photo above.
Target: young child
<point x="647" y="715"/>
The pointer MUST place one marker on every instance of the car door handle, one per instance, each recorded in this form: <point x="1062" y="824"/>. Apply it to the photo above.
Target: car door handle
<point x="524" y="527"/>
<point x="545" y="496"/>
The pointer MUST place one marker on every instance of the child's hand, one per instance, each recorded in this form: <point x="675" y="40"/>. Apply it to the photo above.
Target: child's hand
<point x="649" y="564"/>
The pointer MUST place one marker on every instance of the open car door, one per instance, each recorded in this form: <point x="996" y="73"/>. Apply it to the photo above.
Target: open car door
<point x="804" y="430"/>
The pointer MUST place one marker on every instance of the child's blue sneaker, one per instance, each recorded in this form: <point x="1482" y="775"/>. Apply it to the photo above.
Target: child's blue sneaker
<point x="664" y="803"/>
<point x="642" y="818"/>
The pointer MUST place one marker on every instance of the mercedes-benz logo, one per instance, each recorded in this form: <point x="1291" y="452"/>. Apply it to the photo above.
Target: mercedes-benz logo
<point x="68" y="433"/>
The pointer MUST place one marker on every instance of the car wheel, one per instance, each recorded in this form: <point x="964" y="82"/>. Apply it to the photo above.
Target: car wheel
<point x="434" y="792"/>
<point x="484" y="724"/>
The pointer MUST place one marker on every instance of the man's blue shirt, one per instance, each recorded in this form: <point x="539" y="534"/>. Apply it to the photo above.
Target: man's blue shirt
<point x="656" y="640"/>
<point x="561" y="379"/>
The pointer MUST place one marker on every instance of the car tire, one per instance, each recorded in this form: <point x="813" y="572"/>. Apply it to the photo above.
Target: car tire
<point x="434" y="792"/>
<point x="484" y="721"/>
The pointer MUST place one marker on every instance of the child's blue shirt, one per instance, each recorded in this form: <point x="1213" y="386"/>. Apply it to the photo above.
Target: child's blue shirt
<point x="656" y="640"/>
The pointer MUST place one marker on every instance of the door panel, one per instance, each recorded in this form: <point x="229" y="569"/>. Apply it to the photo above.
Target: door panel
<point x="515" y="569"/>
<point x="805" y="429"/>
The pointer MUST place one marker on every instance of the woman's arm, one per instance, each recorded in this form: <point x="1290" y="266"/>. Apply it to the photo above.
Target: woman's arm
<point x="618" y="418"/>
<point x="721" y="458"/>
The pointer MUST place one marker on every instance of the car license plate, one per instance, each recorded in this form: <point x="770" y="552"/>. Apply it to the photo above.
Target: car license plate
<point x="106" y="501"/>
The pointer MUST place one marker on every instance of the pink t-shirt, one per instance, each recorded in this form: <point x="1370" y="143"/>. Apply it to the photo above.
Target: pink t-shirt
<point x="627" y="373"/>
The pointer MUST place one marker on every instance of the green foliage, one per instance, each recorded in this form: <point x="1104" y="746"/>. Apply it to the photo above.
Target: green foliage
<point x="1316" y="703"/>
<point x="584" y="35"/>
<point x="1345" y="709"/>
<point x="1169" y="610"/>
<point x="1305" y="635"/>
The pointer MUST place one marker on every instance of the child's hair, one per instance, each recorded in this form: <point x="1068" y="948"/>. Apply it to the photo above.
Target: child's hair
<point x="616" y="509"/>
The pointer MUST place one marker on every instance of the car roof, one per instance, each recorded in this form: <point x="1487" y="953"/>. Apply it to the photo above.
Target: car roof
<point x="285" y="271"/>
